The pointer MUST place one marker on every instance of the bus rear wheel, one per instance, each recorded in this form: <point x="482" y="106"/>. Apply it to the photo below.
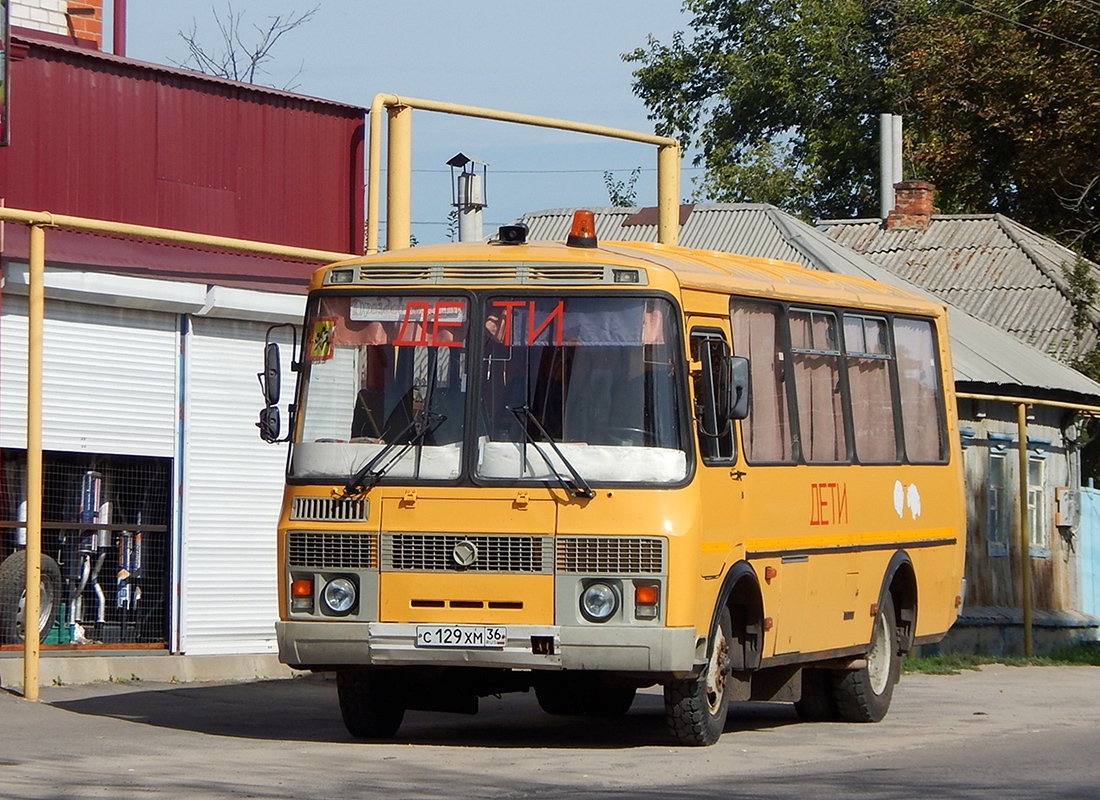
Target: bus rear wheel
<point x="696" y="708"/>
<point x="864" y="695"/>
<point x="372" y="701"/>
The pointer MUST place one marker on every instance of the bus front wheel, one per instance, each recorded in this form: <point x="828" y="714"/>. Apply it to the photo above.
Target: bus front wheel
<point x="372" y="702"/>
<point x="696" y="708"/>
<point x="864" y="695"/>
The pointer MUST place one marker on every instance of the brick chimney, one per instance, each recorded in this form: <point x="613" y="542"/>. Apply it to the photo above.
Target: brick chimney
<point x="912" y="205"/>
<point x="85" y="20"/>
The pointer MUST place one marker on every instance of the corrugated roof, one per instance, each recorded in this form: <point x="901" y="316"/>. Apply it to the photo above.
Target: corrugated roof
<point x="982" y="354"/>
<point x="987" y="265"/>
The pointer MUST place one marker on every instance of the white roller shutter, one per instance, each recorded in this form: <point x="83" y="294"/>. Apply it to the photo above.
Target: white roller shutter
<point x="109" y="378"/>
<point x="232" y="490"/>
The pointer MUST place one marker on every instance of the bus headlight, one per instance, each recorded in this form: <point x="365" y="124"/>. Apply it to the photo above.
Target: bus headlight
<point x="339" y="596"/>
<point x="599" y="602"/>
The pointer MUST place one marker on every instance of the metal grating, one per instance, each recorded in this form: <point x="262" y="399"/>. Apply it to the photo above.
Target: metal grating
<point x="432" y="552"/>
<point x="611" y="555"/>
<point x="316" y="550"/>
<point x="329" y="509"/>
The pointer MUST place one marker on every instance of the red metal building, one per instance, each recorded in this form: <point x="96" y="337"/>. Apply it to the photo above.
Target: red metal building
<point x="150" y="350"/>
<point x="96" y="135"/>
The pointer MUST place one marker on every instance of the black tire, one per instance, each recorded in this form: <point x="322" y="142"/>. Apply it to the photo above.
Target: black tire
<point x="584" y="694"/>
<point x="864" y="695"/>
<point x="13" y="582"/>
<point x="696" y="708"/>
<point x="372" y="701"/>
<point x="818" y="703"/>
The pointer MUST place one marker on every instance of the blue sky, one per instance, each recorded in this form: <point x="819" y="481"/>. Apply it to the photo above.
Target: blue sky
<point x="558" y="58"/>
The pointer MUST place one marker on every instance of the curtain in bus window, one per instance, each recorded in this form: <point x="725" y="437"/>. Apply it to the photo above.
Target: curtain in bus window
<point x="919" y="382"/>
<point x="867" y="347"/>
<point x="816" y="362"/>
<point x="767" y="431"/>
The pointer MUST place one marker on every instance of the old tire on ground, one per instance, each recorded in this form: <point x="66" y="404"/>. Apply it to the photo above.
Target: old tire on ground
<point x="864" y="695"/>
<point x="13" y="582"/>
<point x="696" y="708"/>
<point x="583" y="694"/>
<point x="372" y="701"/>
<point x="818" y="703"/>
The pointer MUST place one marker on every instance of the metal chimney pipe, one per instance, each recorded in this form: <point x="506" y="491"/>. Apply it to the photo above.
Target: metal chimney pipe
<point x="470" y="203"/>
<point x="895" y="143"/>
<point x="886" y="167"/>
<point x="118" y="46"/>
<point x="890" y="160"/>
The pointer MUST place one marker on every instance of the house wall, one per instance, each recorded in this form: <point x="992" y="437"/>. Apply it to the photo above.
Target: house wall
<point x="993" y="546"/>
<point x="992" y="618"/>
<point x="40" y="15"/>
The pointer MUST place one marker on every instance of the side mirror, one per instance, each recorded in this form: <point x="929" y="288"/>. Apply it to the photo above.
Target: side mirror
<point x="271" y="378"/>
<point x="269" y="424"/>
<point x="271" y="385"/>
<point x="738" y="396"/>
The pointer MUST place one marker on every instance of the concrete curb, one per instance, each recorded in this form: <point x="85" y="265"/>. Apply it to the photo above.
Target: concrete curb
<point x="74" y="668"/>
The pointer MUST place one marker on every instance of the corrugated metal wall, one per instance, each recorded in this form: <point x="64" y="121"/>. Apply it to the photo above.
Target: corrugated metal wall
<point x="109" y="379"/>
<point x="98" y="136"/>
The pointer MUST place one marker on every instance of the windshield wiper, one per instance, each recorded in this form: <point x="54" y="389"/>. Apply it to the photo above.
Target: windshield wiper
<point x="578" y="487"/>
<point x="422" y="424"/>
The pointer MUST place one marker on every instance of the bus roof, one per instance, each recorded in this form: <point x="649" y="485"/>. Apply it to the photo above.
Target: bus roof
<point x="671" y="268"/>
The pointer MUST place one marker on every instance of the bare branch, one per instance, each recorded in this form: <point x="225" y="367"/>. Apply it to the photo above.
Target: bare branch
<point x="241" y="57"/>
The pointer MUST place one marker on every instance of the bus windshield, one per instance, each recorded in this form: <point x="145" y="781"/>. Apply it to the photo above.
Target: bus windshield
<point x="385" y="385"/>
<point x="596" y="378"/>
<point x="568" y="386"/>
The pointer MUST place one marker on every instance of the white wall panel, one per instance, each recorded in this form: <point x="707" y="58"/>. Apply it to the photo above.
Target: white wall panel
<point x="109" y="378"/>
<point x="232" y="489"/>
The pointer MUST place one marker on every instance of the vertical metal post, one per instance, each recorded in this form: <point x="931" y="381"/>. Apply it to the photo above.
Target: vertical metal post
<point x="32" y="603"/>
<point x="374" y="173"/>
<point x="668" y="191"/>
<point x="1025" y="539"/>
<point x="399" y="179"/>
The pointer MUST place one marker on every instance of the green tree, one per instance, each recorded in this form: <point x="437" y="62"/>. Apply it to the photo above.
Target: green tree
<point x="622" y="194"/>
<point x="781" y="98"/>
<point x="1003" y="110"/>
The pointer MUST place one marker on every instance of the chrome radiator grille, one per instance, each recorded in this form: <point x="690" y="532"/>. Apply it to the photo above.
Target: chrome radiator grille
<point x="431" y="552"/>
<point x="611" y="555"/>
<point x="315" y="550"/>
<point x="328" y="509"/>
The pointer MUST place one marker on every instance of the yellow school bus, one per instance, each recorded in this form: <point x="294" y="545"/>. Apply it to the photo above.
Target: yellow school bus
<point x="583" y="468"/>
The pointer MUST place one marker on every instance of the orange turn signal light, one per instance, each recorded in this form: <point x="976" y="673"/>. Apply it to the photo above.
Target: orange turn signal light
<point x="645" y="595"/>
<point x="301" y="587"/>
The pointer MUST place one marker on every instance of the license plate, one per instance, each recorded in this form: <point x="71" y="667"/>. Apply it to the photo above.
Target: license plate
<point x="468" y="636"/>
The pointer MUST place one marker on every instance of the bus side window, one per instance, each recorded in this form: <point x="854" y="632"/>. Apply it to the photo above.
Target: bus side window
<point x="716" y="442"/>
<point x="767" y="434"/>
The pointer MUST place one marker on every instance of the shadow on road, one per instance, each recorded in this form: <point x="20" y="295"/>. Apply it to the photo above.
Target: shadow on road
<point x="307" y="710"/>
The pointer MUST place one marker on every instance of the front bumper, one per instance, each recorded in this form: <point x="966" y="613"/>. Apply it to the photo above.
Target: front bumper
<point x="327" y="645"/>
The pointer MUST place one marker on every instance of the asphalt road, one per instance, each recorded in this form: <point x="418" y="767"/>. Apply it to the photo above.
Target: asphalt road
<point x="1000" y="733"/>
